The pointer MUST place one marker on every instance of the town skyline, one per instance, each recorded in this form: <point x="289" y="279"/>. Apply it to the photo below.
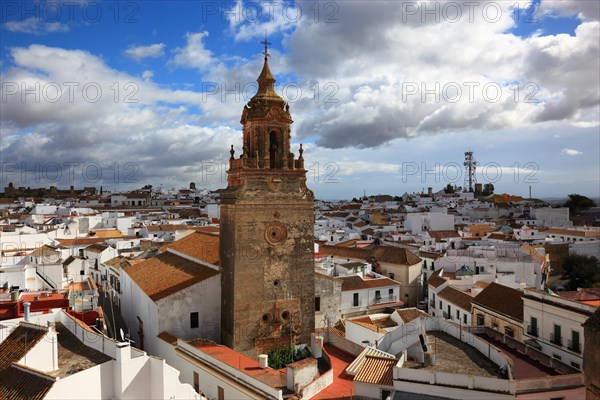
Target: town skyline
<point x="161" y="102"/>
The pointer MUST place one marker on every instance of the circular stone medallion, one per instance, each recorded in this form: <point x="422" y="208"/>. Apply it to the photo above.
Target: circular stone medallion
<point x="275" y="233"/>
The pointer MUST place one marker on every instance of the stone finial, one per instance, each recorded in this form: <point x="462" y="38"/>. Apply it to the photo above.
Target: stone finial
<point x="300" y="151"/>
<point x="232" y="152"/>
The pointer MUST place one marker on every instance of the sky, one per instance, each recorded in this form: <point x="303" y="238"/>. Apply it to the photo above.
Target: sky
<point x="386" y="96"/>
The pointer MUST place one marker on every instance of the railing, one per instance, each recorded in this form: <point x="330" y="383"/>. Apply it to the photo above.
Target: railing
<point x="555" y="340"/>
<point x="46" y="279"/>
<point x="383" y="299"/>
<point x="576" y="347"/>
<point x="532" y="331"/>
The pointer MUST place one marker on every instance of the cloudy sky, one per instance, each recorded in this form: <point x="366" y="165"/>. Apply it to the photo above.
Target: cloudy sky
<point x="386" y="96"/>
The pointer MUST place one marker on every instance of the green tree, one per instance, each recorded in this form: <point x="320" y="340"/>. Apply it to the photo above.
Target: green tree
<point x="583" y="271"/>
<point x="449" y="189"/>
<point x="578" y="204"/>
<point x="488" y="189"/>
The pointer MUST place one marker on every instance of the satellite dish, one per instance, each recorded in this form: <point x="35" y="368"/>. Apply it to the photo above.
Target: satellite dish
<point x="122" y="334"/>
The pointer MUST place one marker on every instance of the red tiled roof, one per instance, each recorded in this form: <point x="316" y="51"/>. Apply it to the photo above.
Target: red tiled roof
<point x="167" y="273"/>
<point x="501" y="299"/>
<point x="167" y="337"/>
<point x="456" y="297"/>
<point x="18" y="343"/>
<point x="355" y="282"/>
<point x="96" y="248"/>
<point x="436" y="279"/>
<point x="377" y="370"/>
<point x="201" y="246"/>
<point x="409" y="314"/>
<point x="246" y="365"/>
<point x="19" y="382"/>
<point x="443" y="234"/>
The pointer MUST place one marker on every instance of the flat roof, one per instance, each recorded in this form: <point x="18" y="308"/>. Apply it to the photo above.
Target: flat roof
<point x="74" y="356"/>
<point x="457" y="357"/>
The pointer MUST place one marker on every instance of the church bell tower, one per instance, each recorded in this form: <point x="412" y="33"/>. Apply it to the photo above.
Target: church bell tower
<point x="266" y="239"/>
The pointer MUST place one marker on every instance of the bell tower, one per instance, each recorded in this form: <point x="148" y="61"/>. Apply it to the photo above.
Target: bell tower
<point x="266" y="239"/>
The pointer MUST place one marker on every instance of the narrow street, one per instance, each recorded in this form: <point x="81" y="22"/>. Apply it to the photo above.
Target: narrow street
<point x="112" y="317"/>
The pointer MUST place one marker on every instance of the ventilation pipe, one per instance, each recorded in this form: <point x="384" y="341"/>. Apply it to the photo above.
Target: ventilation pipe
<point x="27" y="306"/>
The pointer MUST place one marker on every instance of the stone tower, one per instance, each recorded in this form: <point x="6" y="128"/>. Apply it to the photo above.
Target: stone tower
<point x="266" y="239"/>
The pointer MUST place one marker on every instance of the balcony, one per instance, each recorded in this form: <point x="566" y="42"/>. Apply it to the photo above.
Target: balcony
<point x="532" y="331"/>
<point x="383" y="299"/>
<point x="575" y="347"/>
<point x="556" y="340"/>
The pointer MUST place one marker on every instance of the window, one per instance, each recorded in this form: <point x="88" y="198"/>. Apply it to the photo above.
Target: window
<point x="509" y="332"/>
<point x="377" y="295"/>
<point x="80" y="252"/>
<point x="449" y="311"/>
<point x="317" y="303"/>
<point x="458" y="315"/>
<point x="391" y="293"/>
<point x="196" y="382"/>
<point x="533" y="327"/>
<point x="194" y="320"/>
<point x="557" y="356"/>
<point x="221" y="393"/>
<point x="355" y="299"/>
<point x="556" y="336"/>
<point x="574" y="342"/>
<point x="480" y="319"/>
<point x="464" y="318"/>
<point x="575" y="365"/>
<point x="392" y="276"/>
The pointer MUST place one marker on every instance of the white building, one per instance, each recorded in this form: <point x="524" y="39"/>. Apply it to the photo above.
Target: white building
<point x="178" y="291"/>
<point x="79" y="363"/>
<point x="420" y="222"/>
<point x="554" y="323"/>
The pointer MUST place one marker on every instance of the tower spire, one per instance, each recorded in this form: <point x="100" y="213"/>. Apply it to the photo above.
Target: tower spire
<point x="266" y="43"/>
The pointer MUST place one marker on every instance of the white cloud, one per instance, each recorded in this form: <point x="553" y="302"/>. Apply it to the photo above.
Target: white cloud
<point x="35" y="26"/>
<point x="570" y="152"/>
<point x="138" y="53"/>
<point x="194" y="54"/>
<point x="147" y="75"/>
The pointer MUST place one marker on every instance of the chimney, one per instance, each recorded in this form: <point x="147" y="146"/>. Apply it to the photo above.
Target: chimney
<point x="26" y="305"/>
<point x="263" y="361"/>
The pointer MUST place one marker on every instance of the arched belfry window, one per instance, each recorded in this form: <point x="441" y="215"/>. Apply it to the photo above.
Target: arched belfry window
<point x="274" y="149"/>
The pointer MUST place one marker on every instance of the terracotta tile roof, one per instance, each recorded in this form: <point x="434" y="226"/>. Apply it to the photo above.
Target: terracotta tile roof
<point x="96" y="248"/>
<point x="167" y="273"/>
<point x="167" y="228"/>
<point x="366" y="322"/>
<point x="574" y="232"/>
<point x="18" y="343"/>
<point x="199" y="245"/>
<point x="19" y="382"/>
<point x="409" y="314"/>
<point x="355" y="365"/>
<point x="355" y="282"/>
<point x="443" y="234"/>
<point x="501" y="299"/>
<point x="377" y="370"/>
<point x="456" y="297"/>
<point x="436" y="279"/>
<point x="274" y="378"/>
<point x="46" y="251"/>
<point x="108" y="233"/>
<point x="118" y="262"/>
<point x="390" y="254"/>
<point x="581" y="295"/>
<point x="167" y="337"/>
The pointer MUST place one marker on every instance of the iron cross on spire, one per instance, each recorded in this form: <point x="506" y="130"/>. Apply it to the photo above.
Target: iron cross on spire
<point x="266" y="43"/>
